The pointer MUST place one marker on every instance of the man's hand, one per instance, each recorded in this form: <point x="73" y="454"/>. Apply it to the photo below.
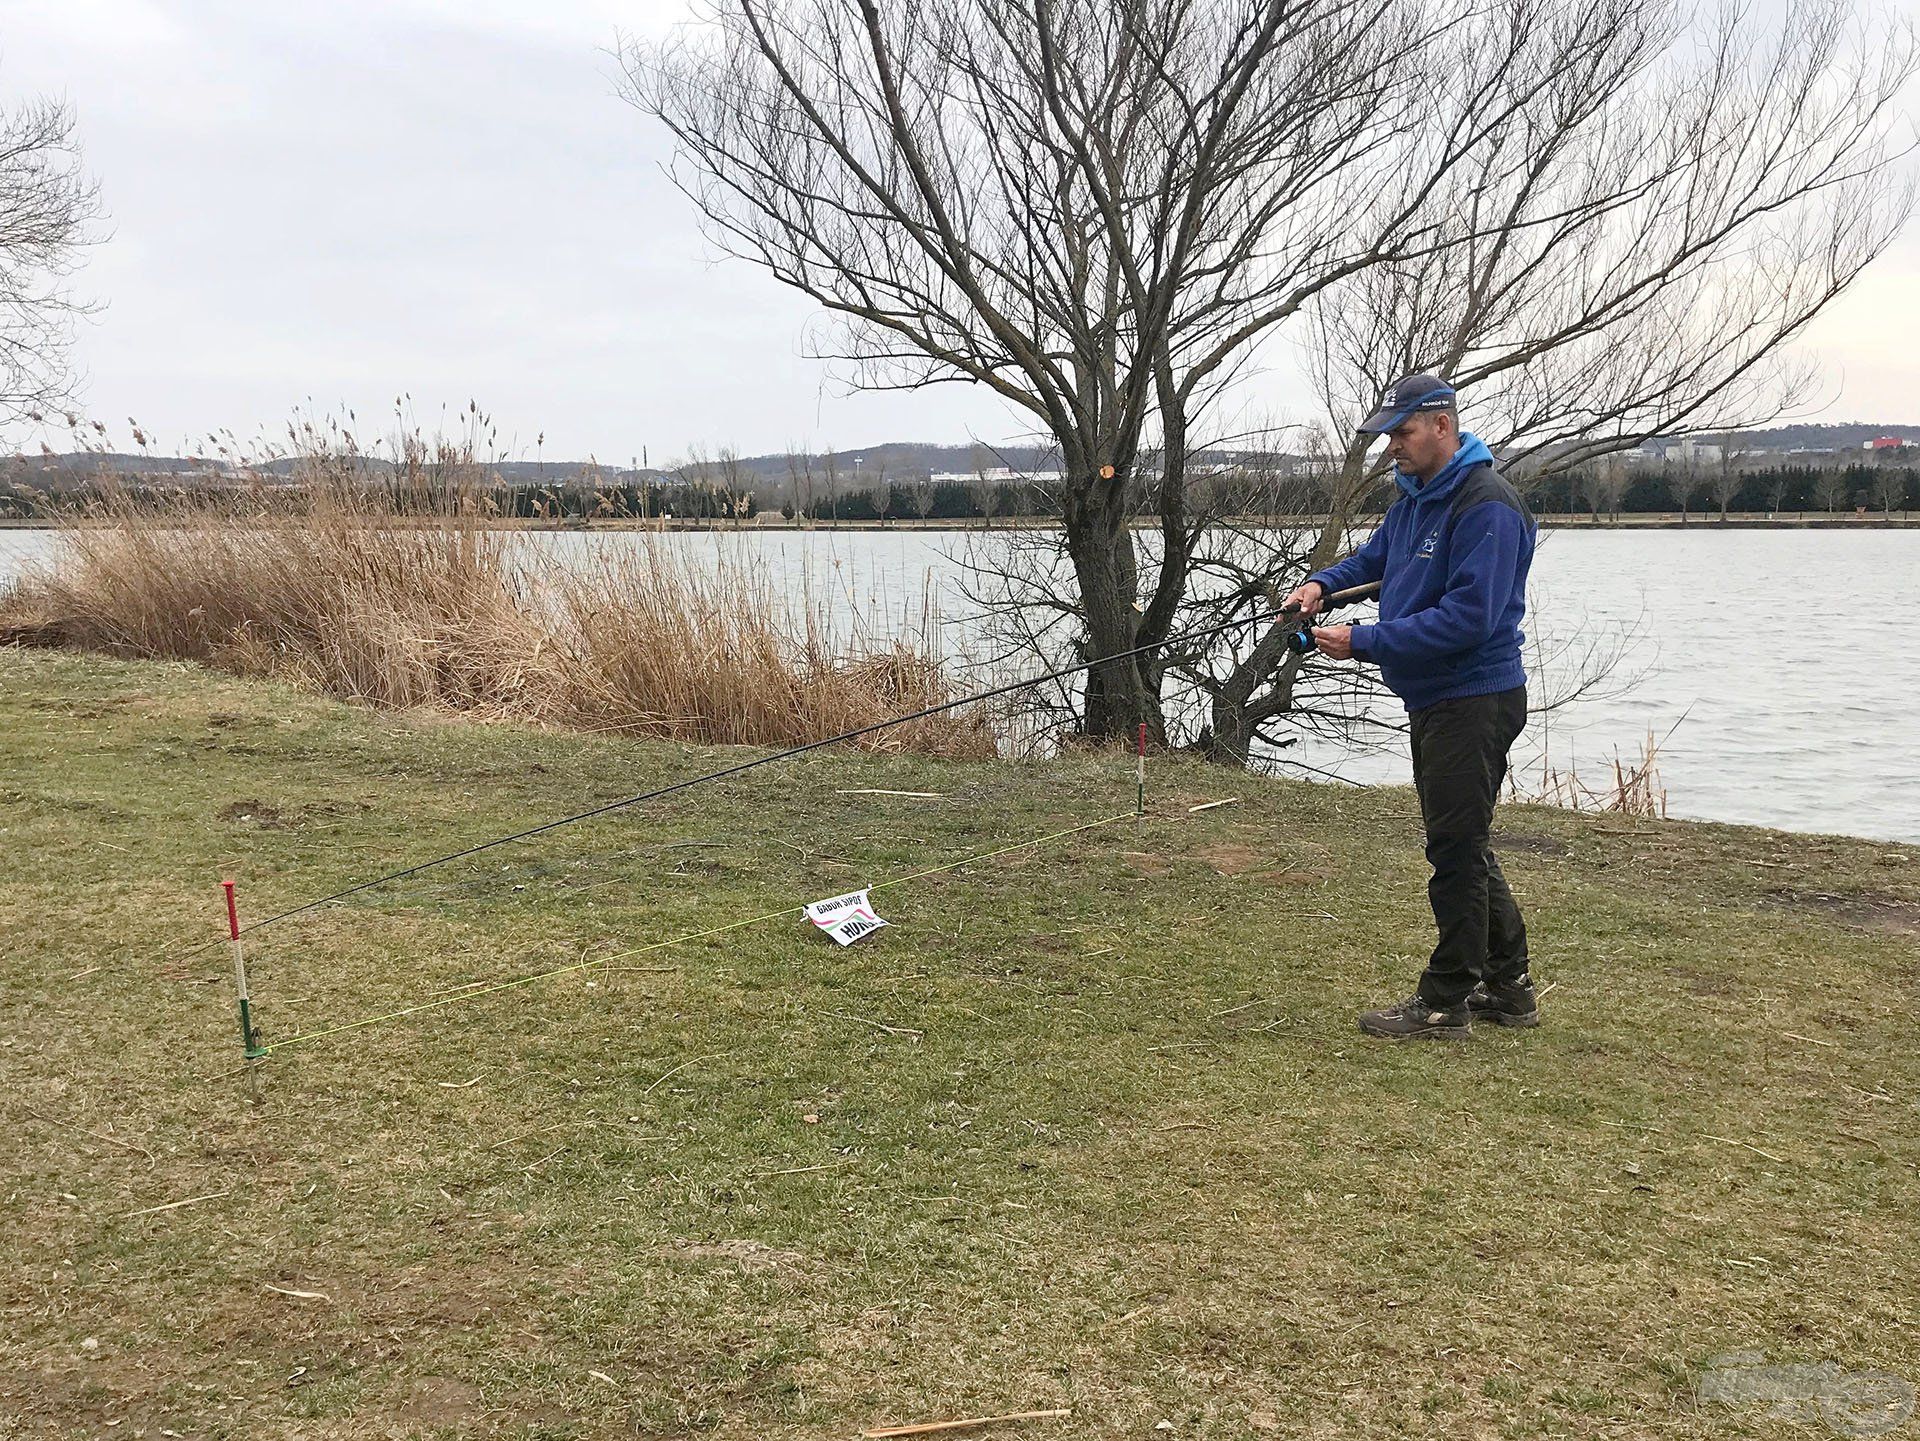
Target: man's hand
<point x="1306" y="598"/>
<point x="1335" y="641"/>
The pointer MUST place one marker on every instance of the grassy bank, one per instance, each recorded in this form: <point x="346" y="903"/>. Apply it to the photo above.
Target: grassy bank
<point x="1089" y="1127"/>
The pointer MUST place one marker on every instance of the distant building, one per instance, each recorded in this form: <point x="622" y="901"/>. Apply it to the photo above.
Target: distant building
<point x="999" y="475"/>
<point x="1883" y="442"/>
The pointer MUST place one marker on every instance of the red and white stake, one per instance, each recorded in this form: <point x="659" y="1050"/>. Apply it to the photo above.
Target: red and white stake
<point x="252" y="1050"/>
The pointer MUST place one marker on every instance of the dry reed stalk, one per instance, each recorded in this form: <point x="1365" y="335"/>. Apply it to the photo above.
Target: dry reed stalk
<point x="403" y="597"/>
<point x="1636" y="788"/>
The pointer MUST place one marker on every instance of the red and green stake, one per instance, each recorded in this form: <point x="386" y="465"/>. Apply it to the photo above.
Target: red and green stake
<point x="248" y="1041"/>
<point x="1140" y="778"/>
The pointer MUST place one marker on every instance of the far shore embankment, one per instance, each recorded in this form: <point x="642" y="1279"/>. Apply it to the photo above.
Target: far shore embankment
<point x="771" y="521"/>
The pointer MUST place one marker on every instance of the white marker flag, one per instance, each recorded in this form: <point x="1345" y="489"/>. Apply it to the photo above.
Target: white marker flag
<point x="845" y="918"/>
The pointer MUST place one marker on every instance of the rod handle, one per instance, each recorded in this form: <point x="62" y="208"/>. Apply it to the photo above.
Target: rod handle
<point x="1351" y="596"/>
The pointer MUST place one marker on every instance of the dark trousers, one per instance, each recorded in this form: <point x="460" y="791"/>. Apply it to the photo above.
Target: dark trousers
<point x="1459" y="761"/>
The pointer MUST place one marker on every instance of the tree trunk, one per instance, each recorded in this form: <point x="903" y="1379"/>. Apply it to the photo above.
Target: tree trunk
<point x="1120" y="693"/>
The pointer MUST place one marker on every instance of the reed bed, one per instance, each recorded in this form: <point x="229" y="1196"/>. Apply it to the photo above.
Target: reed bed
<point x="372" y="595"/>
<point x="1628" y="787"/>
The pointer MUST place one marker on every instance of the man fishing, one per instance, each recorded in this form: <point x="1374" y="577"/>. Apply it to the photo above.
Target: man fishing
<point x="1452" y="555"/>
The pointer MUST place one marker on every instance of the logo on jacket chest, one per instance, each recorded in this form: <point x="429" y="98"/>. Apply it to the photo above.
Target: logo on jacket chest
<point x="1425" y="550"/>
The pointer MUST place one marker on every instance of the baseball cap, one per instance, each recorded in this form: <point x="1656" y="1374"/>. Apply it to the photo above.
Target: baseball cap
<point x="1406" y="396"/>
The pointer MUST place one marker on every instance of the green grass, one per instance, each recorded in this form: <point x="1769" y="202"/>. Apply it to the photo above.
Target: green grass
<point x="1090" y="1126"/>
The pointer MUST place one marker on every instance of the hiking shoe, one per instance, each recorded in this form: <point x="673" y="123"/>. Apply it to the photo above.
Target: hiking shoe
<point x="1414" y="1019"/>
<point x="1505" y="1003"/>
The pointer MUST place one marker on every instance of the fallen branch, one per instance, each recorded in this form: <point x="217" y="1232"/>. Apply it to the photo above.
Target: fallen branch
<point x="927" y="1428"/>
<point x="173" y="1205"/>
<point x="1243" y="1006"/>
<point x="1734" y="1141"/>
<point x="528" y="1135"/>
<point x="302" y="1295"/>
<point x="676" y="1070"/>
<point x="805" y="1170"/>
<point x="97" y="1135"/>
<point x="877" y="1025"/>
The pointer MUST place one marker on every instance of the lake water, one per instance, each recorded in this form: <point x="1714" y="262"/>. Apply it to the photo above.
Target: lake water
<point x="1786" y="665"/>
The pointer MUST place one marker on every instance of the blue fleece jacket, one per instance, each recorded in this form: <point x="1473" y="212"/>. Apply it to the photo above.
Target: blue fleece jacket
<point x="1452" y="557"/>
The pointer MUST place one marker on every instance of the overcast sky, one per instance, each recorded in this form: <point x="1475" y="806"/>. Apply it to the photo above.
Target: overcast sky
<point x="333" y="204"/>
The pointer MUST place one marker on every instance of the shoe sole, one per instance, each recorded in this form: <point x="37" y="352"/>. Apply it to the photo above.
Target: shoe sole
<point x="1436" y="1033"/>
<point x="1502" y="1018"/>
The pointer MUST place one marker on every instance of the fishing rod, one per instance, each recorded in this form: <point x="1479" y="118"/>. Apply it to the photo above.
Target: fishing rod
<point x="1287" y="614"/>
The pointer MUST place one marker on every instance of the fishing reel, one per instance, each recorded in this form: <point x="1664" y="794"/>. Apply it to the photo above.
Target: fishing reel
<point x="1300" y="638"/>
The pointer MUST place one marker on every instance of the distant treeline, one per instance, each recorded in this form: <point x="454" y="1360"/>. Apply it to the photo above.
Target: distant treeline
<point x="1605" y="488"/>
<point x="579" y="500"/>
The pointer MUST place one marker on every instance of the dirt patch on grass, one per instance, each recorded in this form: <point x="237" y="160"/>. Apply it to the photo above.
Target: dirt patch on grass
<point x="1531" y="845"/>
<point x="1232" y="860"/>
<point x="1226" y="859"/>
<point x="1703" y="983"/>
<point x="441" y="1401"/>
<point x="252" y="813"/>
<point x="1864" y="910"/>
<point x="1148" y="863"/>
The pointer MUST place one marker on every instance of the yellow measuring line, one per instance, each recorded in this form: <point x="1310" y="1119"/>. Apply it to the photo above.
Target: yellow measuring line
<point x="675" y="941"/>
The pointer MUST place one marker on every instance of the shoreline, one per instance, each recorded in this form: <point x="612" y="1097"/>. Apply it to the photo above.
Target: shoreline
<point x="1651" y="520"/>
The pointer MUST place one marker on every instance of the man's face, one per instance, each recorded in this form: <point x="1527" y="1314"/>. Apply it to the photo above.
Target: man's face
<point x="1422" y="443"/>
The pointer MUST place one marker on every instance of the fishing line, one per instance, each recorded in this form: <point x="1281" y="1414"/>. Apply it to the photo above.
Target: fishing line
<point x="474" y="995"/>
<point x="1285" y="612"/>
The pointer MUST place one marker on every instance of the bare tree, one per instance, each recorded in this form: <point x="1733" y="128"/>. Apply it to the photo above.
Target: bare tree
<point x="1728" y="477"/>
<point x="1603" y="482"/>
<point x="800" y="481"/>
<point x="1776" y="491"/>
<point x="733" y="483"/>
<point x="984" y="495"/>
<point x="47" y="209"/>
<point x="1095" y="211"/>
<point x="1830" y="487"/>
<point x="1890" y="481"/>
<point x="1099" y="212"/>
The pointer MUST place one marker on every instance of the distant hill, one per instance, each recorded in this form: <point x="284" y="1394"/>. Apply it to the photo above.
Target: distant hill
<point x="905" y="461"/>
<point x="895" y="460"/>
<point x="1847" y="435"/>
